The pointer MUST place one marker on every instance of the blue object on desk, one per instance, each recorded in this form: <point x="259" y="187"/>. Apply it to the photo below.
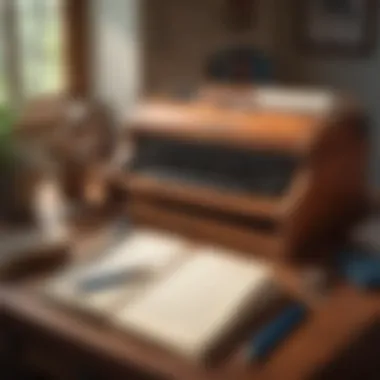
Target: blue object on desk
<point x="103" y="281"/>
<point x="271" y="335"/>
<point x="360" y="268"/>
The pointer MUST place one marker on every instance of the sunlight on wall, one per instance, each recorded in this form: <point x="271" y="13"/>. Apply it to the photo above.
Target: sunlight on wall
<point x="116" y="52"/>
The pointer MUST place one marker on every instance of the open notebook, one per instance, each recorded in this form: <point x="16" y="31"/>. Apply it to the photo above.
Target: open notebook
<point x="193" y="301"/>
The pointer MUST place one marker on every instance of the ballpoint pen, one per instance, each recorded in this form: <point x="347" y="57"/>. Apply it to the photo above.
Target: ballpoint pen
<point x="105" y="280"/>
<point x="275" y="332"/>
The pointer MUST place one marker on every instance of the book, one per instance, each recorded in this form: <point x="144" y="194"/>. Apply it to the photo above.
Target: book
<point x="193" y="300"/>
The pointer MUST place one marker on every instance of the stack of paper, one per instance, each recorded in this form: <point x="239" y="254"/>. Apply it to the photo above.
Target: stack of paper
<point x="193" y="299"/>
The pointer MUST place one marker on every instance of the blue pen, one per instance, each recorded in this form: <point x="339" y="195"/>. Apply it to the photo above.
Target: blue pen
<point x="110" y="279"/>
<point x="271" y="335"/>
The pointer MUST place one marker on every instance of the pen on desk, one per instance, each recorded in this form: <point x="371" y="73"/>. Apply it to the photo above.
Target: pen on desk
<point x="106" y="280"/>
<point x="314" y="286"/>
<point x="276" y="331"/>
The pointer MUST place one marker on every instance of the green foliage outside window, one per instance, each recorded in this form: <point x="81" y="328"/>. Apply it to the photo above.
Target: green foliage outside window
<point x="7" y="152"/>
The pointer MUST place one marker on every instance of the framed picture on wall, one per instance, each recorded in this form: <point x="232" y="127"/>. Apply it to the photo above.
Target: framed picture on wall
<point x="338" y="27"/>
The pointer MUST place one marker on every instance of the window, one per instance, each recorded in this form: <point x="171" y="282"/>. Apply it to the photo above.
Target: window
<point x="31" y="45"/>
<point x="2" y="74"/>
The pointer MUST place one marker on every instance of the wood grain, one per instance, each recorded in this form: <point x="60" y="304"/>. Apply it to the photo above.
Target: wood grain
<point x="210" y="230"/>
<point x="328" y="188"/>
<point x="201" y="121"/>
<point x="238" y="203"/>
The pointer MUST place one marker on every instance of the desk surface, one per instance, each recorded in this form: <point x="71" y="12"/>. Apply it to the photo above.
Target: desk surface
<point x="334" y="323"/>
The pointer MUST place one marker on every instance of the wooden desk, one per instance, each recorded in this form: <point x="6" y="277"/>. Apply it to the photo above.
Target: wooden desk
<point x="74" y="346"/>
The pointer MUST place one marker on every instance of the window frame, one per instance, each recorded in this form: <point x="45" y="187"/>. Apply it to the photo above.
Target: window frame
<point x="12" y="58"/>
<point x="75" y="55"/>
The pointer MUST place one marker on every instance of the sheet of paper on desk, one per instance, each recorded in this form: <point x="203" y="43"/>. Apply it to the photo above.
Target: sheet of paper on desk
<point x="155" y="252"/>
<point x="191" y="311"/>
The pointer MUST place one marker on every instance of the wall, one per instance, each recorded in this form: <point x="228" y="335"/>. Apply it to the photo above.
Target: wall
<point x="356" y="75"/>
<point x="116" y="52"/>
<point x="181" y="34"/>
<point x="158" y="45"/>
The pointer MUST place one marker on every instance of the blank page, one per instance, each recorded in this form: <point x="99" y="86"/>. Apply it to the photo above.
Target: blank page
<point x="191" y="311"/>
<point x="145" y="249"/>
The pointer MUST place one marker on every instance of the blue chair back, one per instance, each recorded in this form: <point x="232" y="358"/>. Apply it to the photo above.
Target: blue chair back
<point x="240" y="65"/>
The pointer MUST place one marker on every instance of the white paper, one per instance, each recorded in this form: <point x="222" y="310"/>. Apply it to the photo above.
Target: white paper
<point x="190" y="311"/>
<point x="312" y="101"/>
<point x="148" y="250"/>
